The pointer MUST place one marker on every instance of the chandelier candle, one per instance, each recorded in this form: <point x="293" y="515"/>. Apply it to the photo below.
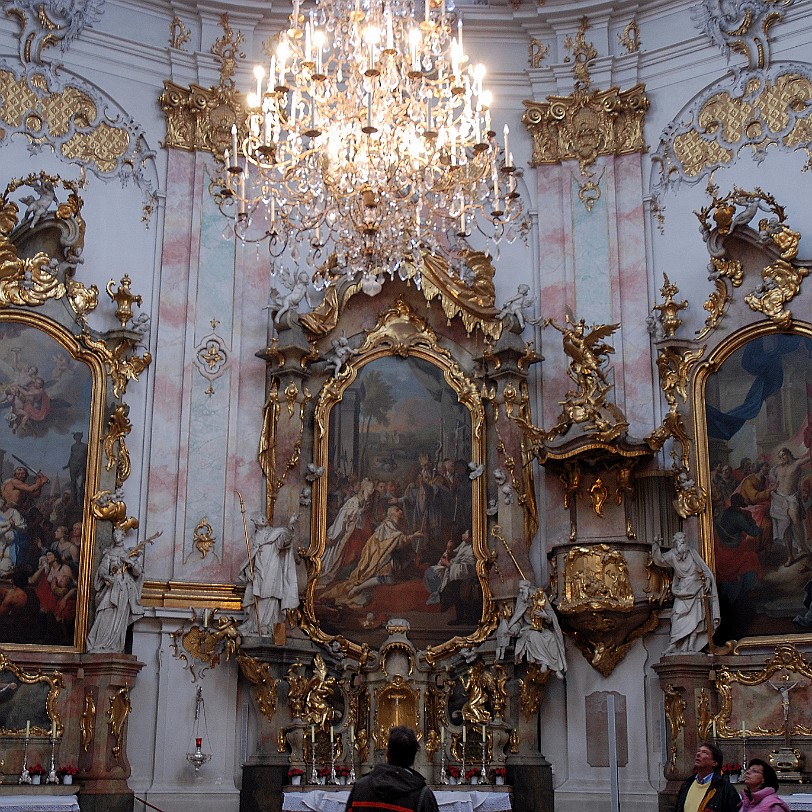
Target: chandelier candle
<point x="370" y="146"/>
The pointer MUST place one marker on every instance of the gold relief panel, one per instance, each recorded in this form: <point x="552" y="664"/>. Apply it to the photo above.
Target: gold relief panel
<point x="596" y="578"/>
<point x="401" y="418"/>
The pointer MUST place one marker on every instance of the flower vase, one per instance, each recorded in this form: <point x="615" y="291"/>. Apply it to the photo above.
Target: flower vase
<point x="474" y="780"/>
<point x="296" y="780"/>
<point x="342" y="780"/>
<point x="36" y="779"/>
<point x="500" y="780"/>
<point x="67" y="779"/>
<point x="451" y="779"/>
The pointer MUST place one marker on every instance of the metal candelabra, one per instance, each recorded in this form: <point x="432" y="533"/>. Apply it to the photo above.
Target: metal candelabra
<point x="52" y="777"/>
<point x="333" y="776"/>
<point x="314" y="776"/>
<point x="351" y="778"/>
<point x="443" y="773"/>
<point x="483" y="773"/>
<point x="25" y="776"/>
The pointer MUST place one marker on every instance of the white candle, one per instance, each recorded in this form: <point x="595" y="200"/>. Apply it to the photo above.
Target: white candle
<point x="507" y="147"/>
<point x="352" y="734"/>
<point x="313" y="733"/>
<point x="27" y="728"/>
<point x="332" y="735"/>
<point x="464" y="734"/>
<point x="459" y="34"/>
<point x="442" y="735"/>
<point x="53" y="728"/>
<point x="714" y="728"/>
<point x="234" y="140"/>
<point x="483" y="733"/>
<point x="205" y="618"/>
<point x="744" y="730"/>
<point x="428" y="10"/>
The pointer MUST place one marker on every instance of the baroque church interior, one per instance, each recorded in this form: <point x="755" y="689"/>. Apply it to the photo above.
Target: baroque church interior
<point x="453" y="370"/>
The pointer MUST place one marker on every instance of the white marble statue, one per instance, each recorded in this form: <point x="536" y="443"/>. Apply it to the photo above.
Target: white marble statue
<point x="270" y="577"/>
<point x="535" y="626"/>
<point x="117" y="582"/>
<point x="695" y="596"/>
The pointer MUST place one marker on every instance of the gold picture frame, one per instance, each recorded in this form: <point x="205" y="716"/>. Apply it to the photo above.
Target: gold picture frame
<point x="401" y="340"/>
<point x="24" y="703"/>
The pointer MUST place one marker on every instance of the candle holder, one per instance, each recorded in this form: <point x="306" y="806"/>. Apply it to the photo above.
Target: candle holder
<point x="333" y="777"/>
<point x="314" y="776"/>
<point x="483" y="773"/>
<point x="52" y="778"/>
<point x="25" y="776"/>
<point x="443" y="773"/>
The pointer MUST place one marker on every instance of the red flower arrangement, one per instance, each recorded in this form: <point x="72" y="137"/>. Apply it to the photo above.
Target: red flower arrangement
<point x="731" y="767"/>
<point x="293" y="771"/>
<point x="453" y="770"/>
<point x="66" y="769"/>
<point x="342" y="771"/>
<point x="323" y="772"/>
<point x="499" y="772"/>
<point x="37" y="769"/>
<point x="470" y="773"/>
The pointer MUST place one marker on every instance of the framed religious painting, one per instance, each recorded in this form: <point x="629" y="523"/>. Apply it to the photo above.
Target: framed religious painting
<point x="51" y="412"/>
<point x="754" y="401"/>
<point x="398" y="521"/>
<point x="28" y="700"/>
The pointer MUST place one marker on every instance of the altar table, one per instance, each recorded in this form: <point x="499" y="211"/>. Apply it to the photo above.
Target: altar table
<point x="38" y="803"/>
<point x="461" y="800"/>
<point x="799" y="801"/>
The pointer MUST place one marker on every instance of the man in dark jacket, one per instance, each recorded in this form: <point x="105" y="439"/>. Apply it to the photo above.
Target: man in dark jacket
<point x="394" y="786"/>
<point x="707" y="789"/>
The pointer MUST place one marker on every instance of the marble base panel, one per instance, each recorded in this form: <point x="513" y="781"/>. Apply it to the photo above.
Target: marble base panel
<point x="187" y="800"/>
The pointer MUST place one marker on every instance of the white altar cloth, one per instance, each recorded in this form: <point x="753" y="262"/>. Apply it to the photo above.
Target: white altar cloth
<point x="39" y="803"/>
<point x="799" y="801"/>
<point x="319" y="800"/>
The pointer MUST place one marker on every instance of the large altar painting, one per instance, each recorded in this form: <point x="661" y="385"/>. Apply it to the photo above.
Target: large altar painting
<point x="399" y="508"/>
<point x="45" y="408"/>
<point x="759" y="438"/>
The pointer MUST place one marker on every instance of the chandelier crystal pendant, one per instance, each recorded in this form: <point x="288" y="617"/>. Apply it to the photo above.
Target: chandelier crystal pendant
<point x="368" y="142"/>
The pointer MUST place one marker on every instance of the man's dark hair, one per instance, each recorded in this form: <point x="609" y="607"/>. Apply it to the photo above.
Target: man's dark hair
<point x="402" y="747"/>
<point x="716" y="752"/>
<point x="770" y="775"/>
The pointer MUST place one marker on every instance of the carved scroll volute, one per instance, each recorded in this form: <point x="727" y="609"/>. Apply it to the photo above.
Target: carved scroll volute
<point x="675" y="707"/>
<point x="117" y="714"/>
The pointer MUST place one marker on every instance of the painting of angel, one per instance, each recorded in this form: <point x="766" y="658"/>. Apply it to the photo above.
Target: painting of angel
<point x="45" y="401"/>
<point x="399" y="507"/>
<point x="759" y="437"/>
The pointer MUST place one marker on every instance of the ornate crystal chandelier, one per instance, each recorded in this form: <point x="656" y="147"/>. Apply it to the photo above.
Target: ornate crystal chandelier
<point x="368" y="143"/>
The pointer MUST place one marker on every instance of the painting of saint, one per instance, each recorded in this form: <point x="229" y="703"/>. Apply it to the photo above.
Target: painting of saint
<point x="759" y="435"/>
<point x="45" y="401"/>
<point x="399" y="508"/>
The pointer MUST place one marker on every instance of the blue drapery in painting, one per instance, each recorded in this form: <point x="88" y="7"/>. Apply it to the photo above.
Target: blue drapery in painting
<point x="762" y="358"/>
